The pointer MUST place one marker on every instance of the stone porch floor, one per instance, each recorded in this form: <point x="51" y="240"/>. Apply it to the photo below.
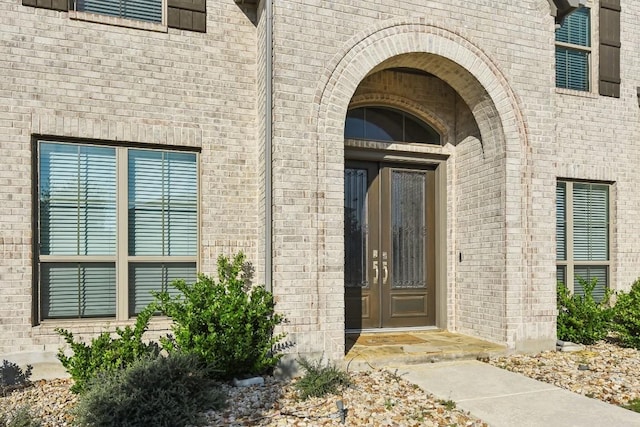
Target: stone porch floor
<point x="379" y="349"/>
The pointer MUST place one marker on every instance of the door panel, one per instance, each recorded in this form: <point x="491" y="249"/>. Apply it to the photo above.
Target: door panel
<point x="389" y="246"/>
<point x="408" y="243"/>
<point x="362" y="296"/>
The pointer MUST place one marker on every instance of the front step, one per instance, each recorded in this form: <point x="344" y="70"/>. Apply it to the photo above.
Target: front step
<point x="378" y="350"/>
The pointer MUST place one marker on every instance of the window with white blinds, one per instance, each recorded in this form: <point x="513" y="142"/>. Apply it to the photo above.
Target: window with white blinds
<point x="582" y="234"/>
<point x="573" y="51"/>
<point x="139" y="10"/>
<point x="107" y="209"/>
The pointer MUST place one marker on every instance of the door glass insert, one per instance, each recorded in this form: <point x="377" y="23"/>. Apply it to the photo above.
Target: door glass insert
<point x="408" y="229"/>
<point x="355" y="227"/>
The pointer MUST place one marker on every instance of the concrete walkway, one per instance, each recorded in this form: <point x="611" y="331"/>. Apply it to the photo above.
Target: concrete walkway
<point x="506" y="399"/>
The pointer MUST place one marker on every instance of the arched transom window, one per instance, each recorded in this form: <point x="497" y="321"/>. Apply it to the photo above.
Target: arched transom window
<point x="388" y="124"/>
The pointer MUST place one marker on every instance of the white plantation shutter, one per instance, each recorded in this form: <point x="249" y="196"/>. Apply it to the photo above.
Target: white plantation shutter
<point x="77" y="191"/>
<point x="162" y="203"/>
<point x="79" y="186"/>
<point x="590" y="222"/>
<point x="78" y="290"/>
<point x="142" y="10"/>
<point x="589" y="273"/>
<point x="561" y="221"/>
<point x="572" y="65"/>
<point x="77" y="200"/>
<point x="147" y="277"/>
<point x="582" y="222"/>
<point x="162" y="221"/>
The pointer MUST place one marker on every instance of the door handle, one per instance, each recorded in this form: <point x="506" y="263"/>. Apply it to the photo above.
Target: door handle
<point x="385" y="272"/>
<point x="376" y="272"/>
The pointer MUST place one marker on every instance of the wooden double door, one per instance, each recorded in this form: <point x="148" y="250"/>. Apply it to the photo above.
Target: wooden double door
<point x="389" y="245"/>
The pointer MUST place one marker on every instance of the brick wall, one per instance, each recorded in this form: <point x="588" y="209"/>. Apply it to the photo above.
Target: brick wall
<point x="508" y="135"/>
<point x="65" y="77"/>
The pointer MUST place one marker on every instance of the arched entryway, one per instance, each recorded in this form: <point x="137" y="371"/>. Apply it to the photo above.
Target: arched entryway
<point x="482" y="253"/>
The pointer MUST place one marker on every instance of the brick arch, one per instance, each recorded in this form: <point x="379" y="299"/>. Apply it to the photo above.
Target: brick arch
<point x="503" y="146"/>
<point x="428" y="47"/>
<point x="410" y="106"/>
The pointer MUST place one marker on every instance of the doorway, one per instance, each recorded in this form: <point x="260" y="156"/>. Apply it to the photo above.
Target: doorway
<point x="389" y="245"/>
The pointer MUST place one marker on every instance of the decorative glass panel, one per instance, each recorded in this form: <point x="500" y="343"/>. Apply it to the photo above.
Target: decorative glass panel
<point x="590" y="222"/>
<point x="147" y="277"/>
<point x="561" y="221"/>
<point x="387" y="124"/>
<point x="77" y="200"/>
<point x="162" y="203"/>
<point x="589" y="273"/>
<point x="355" y="227"/>
<point x="78" y="290"/>
<point x="408" y="229"/>
<point x="141" y="10"/>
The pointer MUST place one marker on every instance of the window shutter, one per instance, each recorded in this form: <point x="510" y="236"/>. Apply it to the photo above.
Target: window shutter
<point x="141" y="10"/>
<point x="561" y="221"/>
<point x="610" y="48"/>
<point x="590" y="222"/>
<point x="187" y="15"/>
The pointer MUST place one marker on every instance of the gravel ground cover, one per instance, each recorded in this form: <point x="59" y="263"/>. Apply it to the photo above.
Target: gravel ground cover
<point x="601" y="371"/>
<point x="376" y="398"/>
<point x="379" y="398"/>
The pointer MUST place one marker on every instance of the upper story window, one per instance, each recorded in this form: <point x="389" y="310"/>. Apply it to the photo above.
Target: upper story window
<point x="575" y="65"/>
<point x="573" y="51"/>
<point x="141" y="10"/>
<point x="154" y="15"/>
<point x="388" y="124"/>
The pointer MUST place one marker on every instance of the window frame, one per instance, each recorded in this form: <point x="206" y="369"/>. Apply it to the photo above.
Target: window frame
<point x="589" y="50"/>
<point x="569" y="263"/>
<point x="121" y="258"/>
<point x="405" y="116"/>
<point x="120" y="21"/>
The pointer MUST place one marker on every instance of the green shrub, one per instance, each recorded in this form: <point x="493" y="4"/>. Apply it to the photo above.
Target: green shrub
<point x="320" y="380"/>
<point x="633" y="405"/>
<point x="580" y="318"/>
<point x="626" y="316"/>
<point x="223" y="322"/>
<point x="21" y="417"/>
<point x="105" y="352"/>
<point x="170" y="391"/>
<point x="12" y="377"/>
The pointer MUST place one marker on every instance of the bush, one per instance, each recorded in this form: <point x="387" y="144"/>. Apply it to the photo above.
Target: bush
<point x="580" y="318"/>
<point x="226" y="324"/>
<point x="105" y="352"/>
<point x="21" y="417"/>
<point x="320" y="380"/>
<point x="13" y="377"/>
<point x="163" y="391"/>
<point x="626" y="316"/>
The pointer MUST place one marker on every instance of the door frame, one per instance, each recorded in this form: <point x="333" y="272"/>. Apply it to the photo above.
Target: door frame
<point x="439" y="163"/>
